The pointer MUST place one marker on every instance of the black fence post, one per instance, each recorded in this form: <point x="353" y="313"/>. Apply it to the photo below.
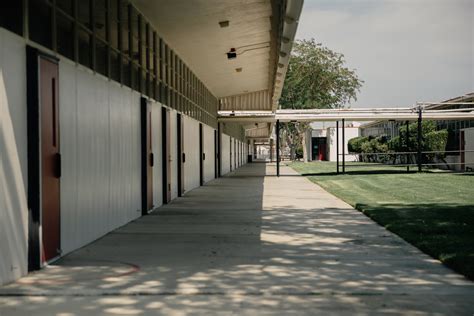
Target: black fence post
<point x="420" y="137"/>
<point x="343" y="147"/>
<point x="337" y="147"/>
<point x="278" y="147"/>
<point x="407" y="137"/>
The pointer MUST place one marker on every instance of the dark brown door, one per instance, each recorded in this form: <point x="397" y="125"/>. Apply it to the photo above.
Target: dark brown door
<point x="150" y="163"/>
<point x="181" y="157"/>
<point x="216" y="155"/>
<point x="50" y="159"/>
<point x="202" y="156"/>
<point x="165" y="117"/>
<point x="148" y="158"/>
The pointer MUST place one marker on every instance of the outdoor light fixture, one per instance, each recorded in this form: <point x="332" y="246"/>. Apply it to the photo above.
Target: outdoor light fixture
<point x="238" y="69"/>
<point x="231" y="54"/>
<point x="224" y="23"/>
<point x="289" y="19"/>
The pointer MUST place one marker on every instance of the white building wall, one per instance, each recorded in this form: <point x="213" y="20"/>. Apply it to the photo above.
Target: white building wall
<point x="13" y="159"/>
<point x="100" y="147"/>
<point x="225" y="154"/>
<point x="209" y="150"/>
<point x="157" y="141"/>
<point x="174" y="153"/>
<point x="191" y="149"/>
<point x="469" y="147"/>
<point x="350" y="132"/>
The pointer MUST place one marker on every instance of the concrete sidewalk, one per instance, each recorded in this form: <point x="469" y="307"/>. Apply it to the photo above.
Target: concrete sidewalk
<point x="247" y="244"/>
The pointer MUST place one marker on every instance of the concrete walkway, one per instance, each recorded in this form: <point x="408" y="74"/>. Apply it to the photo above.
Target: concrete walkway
<point x="246" y="244"/>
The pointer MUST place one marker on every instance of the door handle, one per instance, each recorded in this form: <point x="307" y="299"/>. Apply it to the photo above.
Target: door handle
<point x="57" y="165"/>
<point x="203" y="156"/>
<point x="152" y="159"/>
<point x="184" y="157"/>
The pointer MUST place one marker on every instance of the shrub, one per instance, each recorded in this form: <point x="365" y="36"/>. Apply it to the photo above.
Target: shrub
<point x="354" y="144"/>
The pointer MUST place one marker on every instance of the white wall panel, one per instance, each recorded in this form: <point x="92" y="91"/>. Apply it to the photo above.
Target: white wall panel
<point x="209" y="150"/>
<point x="13" y="158"/>
<point x="100" y="145"/>
<point x="225" y="154"/>
<point x="191" y="149"/>
<point x="174" y="153"/>
<point x="157" y="152"/>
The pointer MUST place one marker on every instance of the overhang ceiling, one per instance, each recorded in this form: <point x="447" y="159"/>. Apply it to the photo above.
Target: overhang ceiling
<point x="191" y="27"/>
<point x="257" y="30"/>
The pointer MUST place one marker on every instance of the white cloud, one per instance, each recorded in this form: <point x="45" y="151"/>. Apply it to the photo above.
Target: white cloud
<point x="405" y="50"/>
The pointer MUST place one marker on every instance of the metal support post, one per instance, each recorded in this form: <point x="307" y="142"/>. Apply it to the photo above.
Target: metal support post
<point x="407" y="147"/>
<point x="278" y="147"/>
<point x="343" y="147"/>
<point x="337" y="147"/>
<point x="420" y="137"/>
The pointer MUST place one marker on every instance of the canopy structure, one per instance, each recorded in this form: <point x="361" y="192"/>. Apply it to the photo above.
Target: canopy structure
<point x="360" y="114"/>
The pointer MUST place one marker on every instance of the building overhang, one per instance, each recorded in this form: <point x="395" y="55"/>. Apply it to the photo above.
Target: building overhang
<point x="239" y="49"/>
<point x="361" y="114"/>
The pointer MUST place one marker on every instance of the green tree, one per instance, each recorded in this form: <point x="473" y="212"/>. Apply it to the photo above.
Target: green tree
<point x="317" y="78"/>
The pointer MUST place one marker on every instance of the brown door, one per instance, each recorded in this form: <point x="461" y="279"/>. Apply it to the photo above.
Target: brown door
<point x="148" y="158"/>
<point x="150" y="162"/>
<point x="202" y="156"/>
<point x="165" y="117"/>
<point x="50" y="159"/>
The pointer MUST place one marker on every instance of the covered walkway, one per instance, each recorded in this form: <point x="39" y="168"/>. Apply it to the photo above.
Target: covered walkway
<point x="248" y="243"/>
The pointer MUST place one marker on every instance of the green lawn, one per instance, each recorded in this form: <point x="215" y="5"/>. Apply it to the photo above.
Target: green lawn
<point x="432" y="210"/>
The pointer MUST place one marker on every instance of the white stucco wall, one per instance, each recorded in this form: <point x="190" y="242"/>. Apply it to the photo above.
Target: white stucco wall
<point x="225" y="154"/>
<point x="156" y="148"/>
<point x="469" y="147"/>
<point x="174" y="153"/>
<point x="191" y="149"/>
<point x="13" y="158"/>
<point x="209" y="150"/>
<point x="350" y="132"/>
<point x="100" y="147"/>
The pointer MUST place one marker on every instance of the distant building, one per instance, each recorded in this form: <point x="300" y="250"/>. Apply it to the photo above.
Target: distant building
<point x="456" y="137"/>
<point x="323" y="141"/>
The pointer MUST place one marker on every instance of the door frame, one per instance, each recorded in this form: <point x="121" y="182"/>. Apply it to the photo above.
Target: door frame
<point x="181" y="155"/>
<point x="34" y="198"/>
<point x="202" y="155"/>
<point x="166" y="152"/>
<point x="216" y="156"/>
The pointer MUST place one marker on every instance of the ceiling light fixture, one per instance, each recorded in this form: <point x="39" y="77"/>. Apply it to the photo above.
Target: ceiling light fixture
<point x="224" y="23"/>
<point x="231" y="54"/>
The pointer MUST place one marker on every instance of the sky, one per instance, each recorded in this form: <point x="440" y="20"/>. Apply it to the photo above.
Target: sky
<point x="406" y="51"/>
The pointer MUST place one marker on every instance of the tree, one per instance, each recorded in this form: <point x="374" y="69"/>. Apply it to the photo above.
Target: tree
<point x="317" y="78"/>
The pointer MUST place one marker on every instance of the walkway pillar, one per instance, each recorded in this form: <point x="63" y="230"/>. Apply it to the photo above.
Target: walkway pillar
<point x="407" y="147"/>
<point x="278" y="147"/>
<point x="420" y="130"/>
<point x="337" y="147"/>
<point x="343" y="147"/>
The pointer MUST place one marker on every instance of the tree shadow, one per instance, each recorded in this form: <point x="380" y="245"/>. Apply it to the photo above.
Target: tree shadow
<point x="248" y="244"/>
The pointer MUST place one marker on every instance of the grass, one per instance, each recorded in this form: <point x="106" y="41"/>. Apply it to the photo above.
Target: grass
<point x="434" y="211"/>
